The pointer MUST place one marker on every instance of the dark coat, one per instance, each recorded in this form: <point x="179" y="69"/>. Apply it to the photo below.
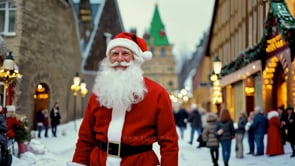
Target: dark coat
<point x="55" y="117"/>
<point x="3" y="130"/>
<point x="260" y="124"/>
<point x="195" y="119"/>
<point x="241" y="125"/>
<point x="291" y="128"/>
<point x="228" y="130"/>
<point x="181" y="117"/>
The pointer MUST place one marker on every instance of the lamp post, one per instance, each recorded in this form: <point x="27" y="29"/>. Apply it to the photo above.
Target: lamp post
<point x="215" y="78"/>
<point x="83" y="92"/>
<point x="8" y="73"/>
<point x="75" y="87"/>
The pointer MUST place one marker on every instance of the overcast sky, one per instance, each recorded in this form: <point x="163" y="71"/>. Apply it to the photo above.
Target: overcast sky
<point x="185" y="20"/>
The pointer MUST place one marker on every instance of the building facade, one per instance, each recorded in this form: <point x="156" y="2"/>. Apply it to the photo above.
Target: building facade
<point x="254" y="40"/>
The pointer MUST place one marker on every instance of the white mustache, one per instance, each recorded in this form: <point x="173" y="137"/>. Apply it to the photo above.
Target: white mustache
<point x="125" y="64"/>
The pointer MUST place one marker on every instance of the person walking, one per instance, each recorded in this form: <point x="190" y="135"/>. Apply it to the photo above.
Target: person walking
<point x="209" y="136"/>
<point x="239" y="135"/>
<point x="274" y="140"/>
<point x="126" y="113"/>
<point x="181" y="121"/>
<point x="250" y="134"/>
<point x="225" y="132"/>
<point x="46" y="122"/>
<point x="282" y="116"/>
<point x="55" y="118"/>
<point x="259" y="127"/>
<point x="194" y="119"/>
<point x="40" y="121"/>
<point x="290" y="126"/>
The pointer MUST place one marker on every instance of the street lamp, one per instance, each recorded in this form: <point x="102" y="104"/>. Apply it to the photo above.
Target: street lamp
<point x="83" y="92"/>
<point x="215" y="78"/>
<point x="75" y="87"/>
<point x="8" y="73"/>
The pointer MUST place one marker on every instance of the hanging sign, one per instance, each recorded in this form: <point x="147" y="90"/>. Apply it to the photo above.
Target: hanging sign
<point x="275" y="43"/>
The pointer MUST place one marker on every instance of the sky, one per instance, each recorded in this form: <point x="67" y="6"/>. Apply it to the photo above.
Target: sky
<point x="57" y="151"/>
<point x="185" y="20"/>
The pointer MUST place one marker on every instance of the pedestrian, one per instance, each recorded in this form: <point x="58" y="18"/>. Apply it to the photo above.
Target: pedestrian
<point x="282" y="117"/>
<point x="239" y="135"/>
<point x="290" y="126"/>
<point x="209" y="136"/>
<point x="11" y="121"/>
<point x="55" y="118"/>
<point x="274" y="140"/>
<point x="126" y="112"/>
<point x="5" y="155"/>
<point x="46" y="122"/>
<point x="225" y="132"/>
<point x="259" y="127"/>
<point x="181" y="121"/>
<point x="40" y="122"/>
<point x="194" y="119"/>
<point x="250" y="134"/>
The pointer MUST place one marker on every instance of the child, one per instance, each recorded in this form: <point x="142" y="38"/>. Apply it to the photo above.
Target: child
<point x="210" y="138"/>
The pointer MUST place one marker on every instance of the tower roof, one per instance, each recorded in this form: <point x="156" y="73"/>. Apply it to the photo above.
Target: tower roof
<point x="157" y="34"/>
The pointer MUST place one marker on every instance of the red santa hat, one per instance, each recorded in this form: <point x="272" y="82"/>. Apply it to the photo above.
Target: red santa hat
<point x="136" y="44"/>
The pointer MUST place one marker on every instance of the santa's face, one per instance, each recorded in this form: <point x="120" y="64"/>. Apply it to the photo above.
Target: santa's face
<point x="119" y="57"/>
<point x="120" y="87"/>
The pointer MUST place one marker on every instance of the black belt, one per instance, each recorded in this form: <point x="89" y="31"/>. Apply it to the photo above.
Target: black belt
<point x="122" y="150"/>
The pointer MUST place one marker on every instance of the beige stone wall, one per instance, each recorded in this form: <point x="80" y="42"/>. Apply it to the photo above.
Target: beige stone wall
<point x="162" y="69"/>
<point x="46" y="49"/>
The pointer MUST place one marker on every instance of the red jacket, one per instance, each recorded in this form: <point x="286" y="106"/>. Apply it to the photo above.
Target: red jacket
<point x="148" y="122"/>
<point x="11" y="121"/>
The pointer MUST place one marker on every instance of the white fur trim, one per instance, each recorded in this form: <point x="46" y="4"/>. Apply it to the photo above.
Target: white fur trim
<point x="124" y="43"/>
<point x="74" y="164"/>
<point x="115" y="133"/>
<point x="272" y="114"/>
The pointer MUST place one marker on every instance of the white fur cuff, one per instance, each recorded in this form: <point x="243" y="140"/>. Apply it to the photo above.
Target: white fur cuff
<point x="74" y="164"/>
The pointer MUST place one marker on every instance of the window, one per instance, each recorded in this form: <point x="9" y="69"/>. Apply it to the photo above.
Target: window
<point x="162" y="52"/>
<point x="7" y="17"/>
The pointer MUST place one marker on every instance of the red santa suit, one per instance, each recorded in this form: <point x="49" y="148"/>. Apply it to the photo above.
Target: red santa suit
<point x="274" y="140"/>
<point x="148" y="121"/>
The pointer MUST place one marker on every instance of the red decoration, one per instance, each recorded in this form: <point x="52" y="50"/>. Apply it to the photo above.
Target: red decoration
<point x="146" y="36"/>
<point x="162" y="33"/>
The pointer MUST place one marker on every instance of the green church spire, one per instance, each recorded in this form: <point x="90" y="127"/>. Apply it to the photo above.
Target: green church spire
<point x="157" y="33"/>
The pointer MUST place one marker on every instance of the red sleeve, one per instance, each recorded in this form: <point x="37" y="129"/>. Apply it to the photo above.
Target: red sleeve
<point x="86" y="137"/>
<point x="167" y="135"/>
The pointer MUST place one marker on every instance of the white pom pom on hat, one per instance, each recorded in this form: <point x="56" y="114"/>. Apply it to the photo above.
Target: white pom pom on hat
<point x="129" y="40"/>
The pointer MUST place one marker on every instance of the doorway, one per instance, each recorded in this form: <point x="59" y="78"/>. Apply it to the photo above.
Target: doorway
<point x="40" y="100"/>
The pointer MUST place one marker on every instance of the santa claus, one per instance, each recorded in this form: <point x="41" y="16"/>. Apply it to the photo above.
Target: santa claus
<point x="274" y="140"/>
<point x="126" y="113"/>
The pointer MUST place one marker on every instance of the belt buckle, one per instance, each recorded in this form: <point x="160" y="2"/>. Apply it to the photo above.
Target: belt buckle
<point x="114" y="149"/>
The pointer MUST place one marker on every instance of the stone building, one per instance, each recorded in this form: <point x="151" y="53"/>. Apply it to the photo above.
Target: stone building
<point x="162" y="67"/>
<point x="47" y="43"/>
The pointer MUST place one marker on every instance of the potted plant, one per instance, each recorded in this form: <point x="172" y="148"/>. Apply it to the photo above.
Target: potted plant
<point x="22" y="135"/>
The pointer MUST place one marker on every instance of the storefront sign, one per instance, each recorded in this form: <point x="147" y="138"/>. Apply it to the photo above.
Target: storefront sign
<point x="275" y="43"/>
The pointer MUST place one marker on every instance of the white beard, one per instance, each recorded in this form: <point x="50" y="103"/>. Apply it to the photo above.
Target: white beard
<point x="119" y="89"/>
